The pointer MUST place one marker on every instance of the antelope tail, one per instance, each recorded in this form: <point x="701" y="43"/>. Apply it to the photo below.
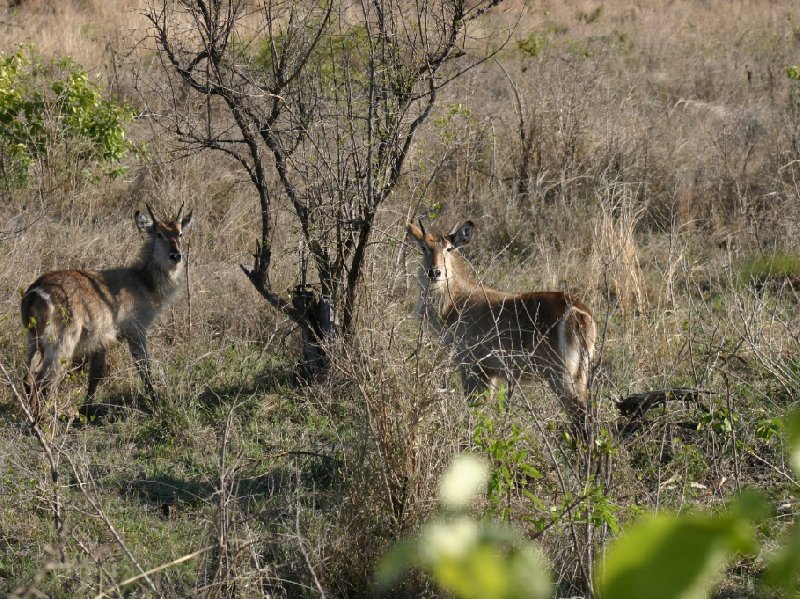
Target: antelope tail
<point x="577" y="350"/>
<point x="587" y="335"/>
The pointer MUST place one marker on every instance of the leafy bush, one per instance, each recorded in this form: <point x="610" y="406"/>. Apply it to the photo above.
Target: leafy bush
<point x="533" y="45"/>
<point x="55" y="109"/>
<point x="509" y="455"/>
<point x="793" y="73"/>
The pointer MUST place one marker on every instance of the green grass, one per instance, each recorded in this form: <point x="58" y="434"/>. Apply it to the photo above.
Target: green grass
<point x="776" y="267"/>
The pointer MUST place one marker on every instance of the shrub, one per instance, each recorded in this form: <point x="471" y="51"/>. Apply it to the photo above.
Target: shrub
<point x="53" y="109"/>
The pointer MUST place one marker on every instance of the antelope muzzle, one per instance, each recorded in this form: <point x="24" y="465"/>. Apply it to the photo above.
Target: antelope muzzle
<point x="434" y="273"/>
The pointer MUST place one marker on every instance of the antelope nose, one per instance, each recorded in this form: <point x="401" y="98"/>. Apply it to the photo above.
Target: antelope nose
<point x="175" y="257"/>
<point x="434" y="273"/>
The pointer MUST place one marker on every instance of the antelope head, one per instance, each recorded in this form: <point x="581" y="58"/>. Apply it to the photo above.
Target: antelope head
<point x="437" y="262"/>
<point x="166" y="236"/>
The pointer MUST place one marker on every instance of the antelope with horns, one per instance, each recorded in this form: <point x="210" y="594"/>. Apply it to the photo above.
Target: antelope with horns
<point x="73" y="315"/>
<point x="498" y="336"/>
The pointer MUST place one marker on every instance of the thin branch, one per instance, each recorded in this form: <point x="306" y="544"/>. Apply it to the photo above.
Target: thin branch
<point x="82" y="485"/>
<point x="51" y="454"/>
<point x="151" y="571"/>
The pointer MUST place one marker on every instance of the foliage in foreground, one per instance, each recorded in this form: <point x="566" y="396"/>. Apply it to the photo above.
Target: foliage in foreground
<point x="607" y="145"/>
<point x="468" y="558"/>
<point x="663" y="556"/>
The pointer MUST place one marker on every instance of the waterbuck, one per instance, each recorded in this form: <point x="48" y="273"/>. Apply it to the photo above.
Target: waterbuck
<point x="72" y="315"/>
<point x="498" y="336"/>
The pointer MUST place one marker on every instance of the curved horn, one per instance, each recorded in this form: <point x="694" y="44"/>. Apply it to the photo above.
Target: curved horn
<point x="421" y="226"/>
<point x="177" y="218"/>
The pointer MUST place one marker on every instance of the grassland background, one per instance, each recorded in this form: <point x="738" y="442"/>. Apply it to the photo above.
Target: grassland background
<point x="662" y="180"/>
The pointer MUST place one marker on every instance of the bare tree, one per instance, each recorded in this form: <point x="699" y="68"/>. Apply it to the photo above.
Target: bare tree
<point x="319" y="103"/>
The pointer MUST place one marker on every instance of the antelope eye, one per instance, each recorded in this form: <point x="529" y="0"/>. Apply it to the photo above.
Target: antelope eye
<point x="159" y="235"/>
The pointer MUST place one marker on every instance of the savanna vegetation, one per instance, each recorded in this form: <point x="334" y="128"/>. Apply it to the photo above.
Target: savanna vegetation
<point x="644" y="156"/>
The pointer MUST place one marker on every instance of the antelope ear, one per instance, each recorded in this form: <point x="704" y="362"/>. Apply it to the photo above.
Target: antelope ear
<point x="414" y="233"/>
<point x="461" y="234"/>
<point x="143" y="222"/>
<point x="186" y="223"/>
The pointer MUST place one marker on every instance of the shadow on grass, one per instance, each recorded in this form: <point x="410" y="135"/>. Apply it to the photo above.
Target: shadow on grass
<point x="166" y="488"/>
<point x="268" y="380"/>
<point x="256" y="481"/>
<point x="117" y="404"/>
<point x="112" y="406"/>
<point x="10" y="412"/>
<point x="317" y="471"/>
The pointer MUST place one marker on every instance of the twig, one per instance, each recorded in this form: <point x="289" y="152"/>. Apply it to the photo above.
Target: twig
<point x="9" y="234"/>
<point x="109" y="525"/>
<point x="733" y="432"/>
<point x="58" y="516"/>
<point x="188" y="288"/>
<point x="307" y="558"/>
<point x="225" y="492"/>
<point x="789" y="478"/>
<point x="147" y="573"/>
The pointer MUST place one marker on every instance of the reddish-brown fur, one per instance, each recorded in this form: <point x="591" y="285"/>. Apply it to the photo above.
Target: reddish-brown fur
<point x="498" y="336"/>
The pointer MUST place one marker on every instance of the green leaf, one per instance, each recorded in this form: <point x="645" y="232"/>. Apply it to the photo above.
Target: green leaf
<point x="784" y="568"/>
<point x="448" y="540"/>
<point x="793" y="427"/>
<point x="395" y="563"/>
<point x="675" y="557"/>
<point x="54" y="108"/>
<point x="482" y="562"/>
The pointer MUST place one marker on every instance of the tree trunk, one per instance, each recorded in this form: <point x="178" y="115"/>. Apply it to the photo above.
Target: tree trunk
<point x="319" y="330"/>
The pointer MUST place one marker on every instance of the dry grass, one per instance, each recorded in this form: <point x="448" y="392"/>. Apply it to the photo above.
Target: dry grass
<point x="663" y="159"/>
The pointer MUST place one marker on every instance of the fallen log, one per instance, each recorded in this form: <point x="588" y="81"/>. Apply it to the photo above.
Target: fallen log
<point x="639" y="403"/>
<point x="635" y="406"/>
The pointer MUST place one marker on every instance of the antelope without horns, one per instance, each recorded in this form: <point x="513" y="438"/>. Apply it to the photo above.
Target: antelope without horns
<point x="74" y="315"/>
<point x="498" y="336"/>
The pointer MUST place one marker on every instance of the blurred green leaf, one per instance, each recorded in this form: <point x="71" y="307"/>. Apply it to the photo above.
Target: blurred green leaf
<point x="448" y="540"/>
<point x="475" y="561"/>
<point x="784" y="569"/>
<point x="669" y="557"/>
<point x="467" y="558"/>
<point x="395" y="563"/>
<point x="793" y="428"/>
